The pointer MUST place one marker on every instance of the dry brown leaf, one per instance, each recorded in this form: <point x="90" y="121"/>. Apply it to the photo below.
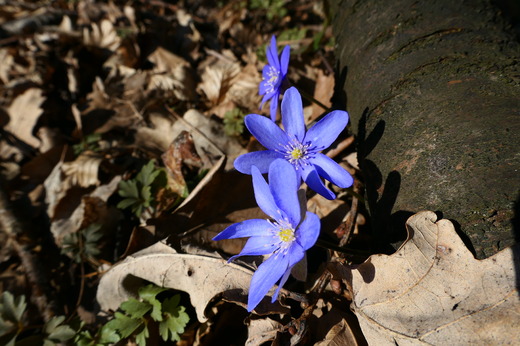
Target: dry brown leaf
<point x="205" y="129"/>
<point x="202" y="277"/>
<point x="217" y="79"/>
<point x="84" y="170"/>
<point x="24" y="112"/>
<point x="181" y="151"/>
<point x="322" y="92"/>
<point x="7" y="60"/>
<point x="171" y="72"/>
<point x="433" y="291"/>
<point x="337" y="327"/>
<point x="102" y="35"/>
<point x="92" y="209"/>
<point x="262" y="330"/>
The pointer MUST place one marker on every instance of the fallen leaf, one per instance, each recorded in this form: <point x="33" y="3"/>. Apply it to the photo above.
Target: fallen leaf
<point x="181" y="152"/>
<point x="84" y="170"/>
<point x="262" y="330"/>
<point x="202" y="277"/>
<point x="171" y="72"/>
<point x="433" y="291"/>
<point x="217" y="79"/>
<point x="102" y="35"/>
<point x="24" y="112"/>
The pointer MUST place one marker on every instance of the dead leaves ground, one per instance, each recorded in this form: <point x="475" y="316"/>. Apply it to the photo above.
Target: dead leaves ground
<point x="91" y="92"/>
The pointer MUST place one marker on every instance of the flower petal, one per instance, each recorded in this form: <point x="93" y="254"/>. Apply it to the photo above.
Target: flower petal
<point x="284" y="59"/>
<point x="292" y="114"/>
<point x="309" y="230"/>
<point x="263" y="195"/>
<point x="247" y="228"/>
<point x="325" y="131"/>
<point x="262" y="88"/>
<point x="295" y="254"/>
<point x="274" y="106"/>
<point x="312" y="179"/>
<point x="266" y="131"/>
<point x="257" y="246"/>
<point x="261" y="159"/>
<point x="282" y="282"/>
<point x="332" y="171"/>
<point x="267" y="274"/>
<point x="272" y="54"/>
<point x="284" y="189"/>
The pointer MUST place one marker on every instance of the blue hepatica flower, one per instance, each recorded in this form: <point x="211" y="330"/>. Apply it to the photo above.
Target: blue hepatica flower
<point x="299" y="147"/>
<point x="285" y="237"/>
<point x="273" y="75"/>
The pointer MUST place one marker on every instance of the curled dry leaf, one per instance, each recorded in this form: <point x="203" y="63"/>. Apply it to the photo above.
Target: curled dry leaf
<point x="261" y="331"/>
<point x="23" y="115"/>
<point x="171" y="72"/>
<point x="433" y="291"/>
<point x="84" y="170"/>
<point x="217" y="79"/>
<point x="102" y="35"/>
<point x="92" y="209"/>
<point x="181" y="151"/>
<point x="202" y="277"/>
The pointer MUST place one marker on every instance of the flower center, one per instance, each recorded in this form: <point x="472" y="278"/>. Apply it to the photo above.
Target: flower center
<point x="272" y="78"/>
<point x="296" y="154"/>
<point x="286" y="234"/>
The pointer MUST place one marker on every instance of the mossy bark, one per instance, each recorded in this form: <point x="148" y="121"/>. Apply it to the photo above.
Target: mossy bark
<point x="433" y="91"/>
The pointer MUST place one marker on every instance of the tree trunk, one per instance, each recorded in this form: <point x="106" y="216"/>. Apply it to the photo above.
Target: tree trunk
<point x="432" y="88"/>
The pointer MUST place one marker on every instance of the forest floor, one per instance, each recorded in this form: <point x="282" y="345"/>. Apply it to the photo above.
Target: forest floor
<point x="120" y="124"/>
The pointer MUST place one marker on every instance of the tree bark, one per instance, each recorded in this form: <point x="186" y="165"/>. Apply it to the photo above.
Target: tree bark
<point x="433" y="90"/>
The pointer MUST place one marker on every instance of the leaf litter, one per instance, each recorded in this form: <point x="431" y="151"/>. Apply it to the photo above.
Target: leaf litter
<point x="120" y="124"/>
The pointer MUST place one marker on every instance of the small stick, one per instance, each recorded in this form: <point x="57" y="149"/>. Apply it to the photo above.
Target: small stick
<point x="31" y="263"/>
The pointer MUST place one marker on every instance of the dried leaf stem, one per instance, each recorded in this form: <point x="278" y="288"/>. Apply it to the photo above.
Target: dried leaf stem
<point x="31" y="262"/>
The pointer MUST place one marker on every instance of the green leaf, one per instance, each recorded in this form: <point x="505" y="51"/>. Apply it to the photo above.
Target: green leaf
<point x="141" y="337"/>
<point x="108" y="335"/>
<point x="135" y="308"/>
<point x="148" y="293"/>
<point x="47" y="342"/>
<point x="62" y="333"/>
<point x="175" y="319"/>
<point x="84" y="338"/>
<point x="123" y="324"/>
<point x="53" y="323"/>
<point x="12" y="309"/>
<point x="8" y="339"/>
<point x="234" y="122"/>
<point x="125" y="203"/>
<point x="147" y="174"/>
<point x="146" y="196"/>
<point x="128" y="188"/>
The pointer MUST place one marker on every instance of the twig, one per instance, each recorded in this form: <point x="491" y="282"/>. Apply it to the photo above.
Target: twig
<point x="350" y="222"/>
<point x="344" y="144"/>
<point x="31" y="263"/>
<point x="300" y="322"/>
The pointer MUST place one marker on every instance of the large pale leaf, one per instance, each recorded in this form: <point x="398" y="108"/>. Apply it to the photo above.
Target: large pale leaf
<point x="24" y="112"/>
<point x="202" y="277"/>
<point x="433" y="291"/>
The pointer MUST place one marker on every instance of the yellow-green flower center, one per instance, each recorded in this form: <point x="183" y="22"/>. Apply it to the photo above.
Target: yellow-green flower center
<point x="296" y="154"/>
<point x="286" y="234"/>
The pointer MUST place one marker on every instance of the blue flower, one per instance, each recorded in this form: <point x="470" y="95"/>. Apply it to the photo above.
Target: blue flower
<point x="298" y="146"/>
<point x="273" y="75"/>
<point x="286" y="237"/>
